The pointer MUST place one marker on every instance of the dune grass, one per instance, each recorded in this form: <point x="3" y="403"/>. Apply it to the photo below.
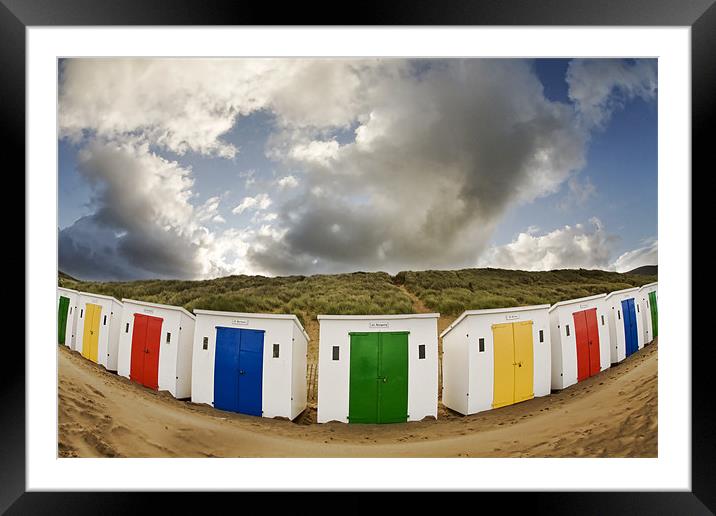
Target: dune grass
<point x="452" y="292"/>
<point x="447" y="292"/>
<point x="356" y="293"/>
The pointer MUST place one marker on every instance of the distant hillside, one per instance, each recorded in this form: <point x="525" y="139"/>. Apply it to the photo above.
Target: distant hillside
<point x="447" y="292"/>
<point x="66" y="276"/>
<point x="648" y="270"/>
<point x="452" y="292"/>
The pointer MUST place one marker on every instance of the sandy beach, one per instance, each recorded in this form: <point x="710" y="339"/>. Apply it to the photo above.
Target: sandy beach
<point x="613" y="414"/>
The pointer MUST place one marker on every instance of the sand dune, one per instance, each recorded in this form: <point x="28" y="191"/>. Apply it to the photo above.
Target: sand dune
<point x="613" y="414"/>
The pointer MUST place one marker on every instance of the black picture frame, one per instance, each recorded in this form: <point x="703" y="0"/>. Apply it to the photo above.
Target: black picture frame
<point x="700" y="15"/>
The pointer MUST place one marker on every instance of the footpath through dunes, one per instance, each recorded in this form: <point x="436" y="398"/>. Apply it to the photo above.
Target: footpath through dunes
<point x="613" y="414"/>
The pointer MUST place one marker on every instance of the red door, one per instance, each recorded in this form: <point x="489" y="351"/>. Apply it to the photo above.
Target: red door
<point x="139" y="336"/>
<point x="586" y="331"/>
<point x="151" y="357"/>
<point x="593" y="329"/>
<point x="581" y="334"/>
<point x="146" y="335"/>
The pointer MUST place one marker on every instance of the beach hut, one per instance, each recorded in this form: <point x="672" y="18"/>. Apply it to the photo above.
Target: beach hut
<point x="155" y="346"/>
<point x="66" y="316"/>
<point x="97" y="334"/>
<point x="625" y="333"/>
<point x="496" y="357"/>
<point x="579" y="333"/>
<point x="250" y="363"/>
<point x="377" y="368"/>
<point x="648" y="297"/>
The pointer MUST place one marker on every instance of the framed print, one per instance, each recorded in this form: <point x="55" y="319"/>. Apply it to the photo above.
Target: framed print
<point x="414" y="250"/>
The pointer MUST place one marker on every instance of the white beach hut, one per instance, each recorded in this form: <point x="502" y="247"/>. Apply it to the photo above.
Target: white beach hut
<point x="496" y="357"/>
<point x="377" y="368"/>
<point x="155" y="346"/>
<point x="579" y="332"/>
<point x="250" y="363"/>
<point x="625" y="333"/>
<point x="648" y="300"/>
<point x="97" y="334"/>
<point x="66" y="316"/>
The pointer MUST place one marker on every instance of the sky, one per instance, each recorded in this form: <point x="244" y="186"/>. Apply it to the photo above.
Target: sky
<point x="200" y="168"/>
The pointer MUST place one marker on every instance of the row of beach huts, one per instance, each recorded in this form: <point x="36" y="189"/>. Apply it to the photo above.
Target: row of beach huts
<point x="371" y="368"/>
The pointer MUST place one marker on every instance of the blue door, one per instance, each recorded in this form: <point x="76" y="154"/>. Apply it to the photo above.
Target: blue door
<point x="251" y="368"/>
<point x="226" y="367"/>
<point x="238" y="370"/>
<point x="629" y="315"/>
<point x="632" y="318"/>
<point x="627" y="327"/>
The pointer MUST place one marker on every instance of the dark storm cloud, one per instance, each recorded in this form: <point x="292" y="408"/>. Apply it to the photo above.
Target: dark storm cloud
<point x="88" y="252"/>
<point x="141" y="226"/>
<point x="436" y="162"/>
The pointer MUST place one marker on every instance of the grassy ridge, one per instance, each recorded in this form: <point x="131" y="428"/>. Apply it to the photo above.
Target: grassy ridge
<point x="452" y="292"/>
<point x="356" y="293"/>
<point x="447" y="292"/>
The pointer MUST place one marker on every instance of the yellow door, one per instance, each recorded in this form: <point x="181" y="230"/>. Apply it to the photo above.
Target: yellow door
<point x="94" y="350"/>
<point x="504" y="352"/>
<point x="524" y="360"/>
<point x="90" y="339"/>
<point x="87" y="334"/>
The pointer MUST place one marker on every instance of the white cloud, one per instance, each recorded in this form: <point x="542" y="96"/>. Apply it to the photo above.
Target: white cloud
<point x="599" y="86"/>
<point x="259" y="202"/>
<point x="249" y="178"/>
<point x="289" y="181"/>
<point x="319" y="152"/>
<point x="190" y="104"/>
<point x="569" y="247"/>
<point x="578" y="192"/>
<point x="264" y="217"/>
<point x="226" y="253"/>
<point x="209" y="210"/>
<point x="645" y="255"/>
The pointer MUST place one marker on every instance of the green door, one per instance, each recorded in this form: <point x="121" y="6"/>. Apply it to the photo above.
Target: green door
<point x="363" y="386"/>
<point x="378" y="386"/>
<point x="393" y="378"/>
<point x="62" y="319"/>
<point x="654" y="314"/>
